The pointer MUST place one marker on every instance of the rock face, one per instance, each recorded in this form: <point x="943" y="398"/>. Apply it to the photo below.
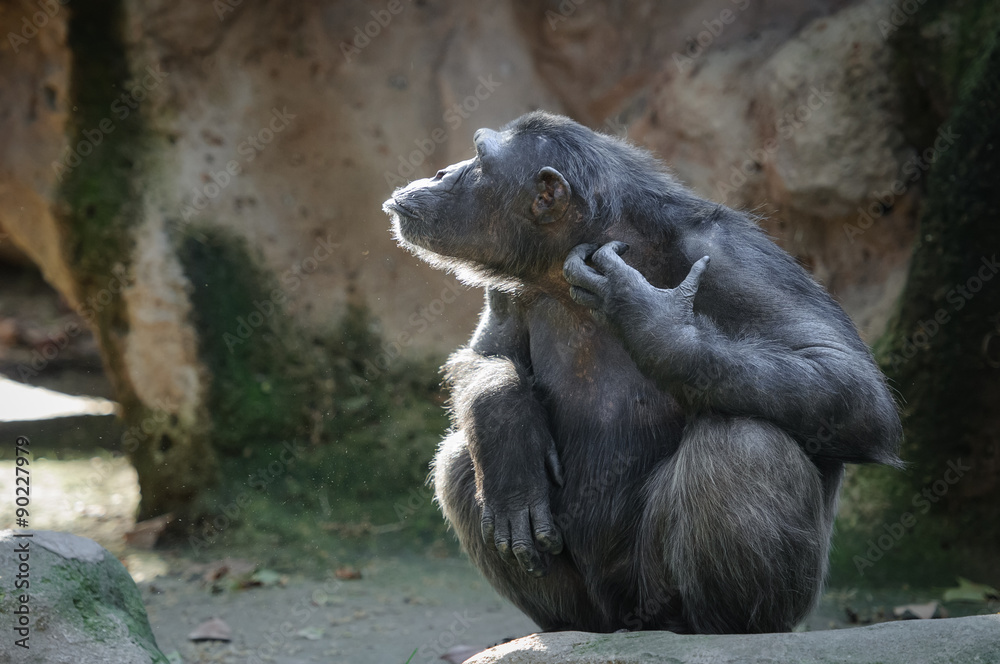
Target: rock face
<point x="803" y="128"/>
<point x="139" y="133"/>
<point x="974" y="639"/>
<point x="319" y="121"/>
<point x="82" y="605"/>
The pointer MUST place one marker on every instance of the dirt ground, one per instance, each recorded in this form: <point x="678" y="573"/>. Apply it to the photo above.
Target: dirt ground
<point x="399" y="606"/>
<point x="387" y="607"/>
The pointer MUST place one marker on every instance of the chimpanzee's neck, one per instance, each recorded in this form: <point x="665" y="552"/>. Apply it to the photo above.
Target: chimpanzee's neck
<point x="649" y="249"/>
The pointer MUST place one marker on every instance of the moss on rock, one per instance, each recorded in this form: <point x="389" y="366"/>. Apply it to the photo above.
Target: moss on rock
<point x="301" y="419"/>
<point x="941" y="347"/>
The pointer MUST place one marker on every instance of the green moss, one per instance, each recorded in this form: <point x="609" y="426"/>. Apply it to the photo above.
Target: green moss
<point x="100" y="598"/>
<point x="948" y="390"/>
<point x="359" y="485"/>
<point x="101" y="191"/>
<point x="105" y="179"/>
<point x="311" y="434"/>
<point x="264" y="379"/>
<point x="933" y="52"/>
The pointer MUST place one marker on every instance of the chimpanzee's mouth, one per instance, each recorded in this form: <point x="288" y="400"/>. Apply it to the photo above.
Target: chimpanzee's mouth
<point x="393" y="205"/>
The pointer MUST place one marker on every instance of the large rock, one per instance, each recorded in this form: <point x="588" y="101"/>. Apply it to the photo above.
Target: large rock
<point x="82" y="606"/>
<point x="974" y="639"/>
<point x="804" y="128"/>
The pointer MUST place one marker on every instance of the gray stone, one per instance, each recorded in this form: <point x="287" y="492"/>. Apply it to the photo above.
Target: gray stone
<point x="82" y="604"/>
<point x="975" y="639"/>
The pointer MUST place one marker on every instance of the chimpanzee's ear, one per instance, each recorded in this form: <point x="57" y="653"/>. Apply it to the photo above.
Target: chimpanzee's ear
<point x="553" y="196"/>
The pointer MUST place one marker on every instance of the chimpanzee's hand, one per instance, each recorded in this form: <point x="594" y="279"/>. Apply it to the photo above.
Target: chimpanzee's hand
<point x="517" y="518"/>
<point x="617" y="292"/>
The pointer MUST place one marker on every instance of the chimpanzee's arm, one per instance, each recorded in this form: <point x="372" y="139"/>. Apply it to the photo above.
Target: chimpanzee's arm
<point x="795" y="361"/>
<point x="508" y="436"/>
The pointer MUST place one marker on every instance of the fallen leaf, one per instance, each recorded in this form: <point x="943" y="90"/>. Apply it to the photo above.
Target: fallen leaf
<point x="917" y="611"/>
<point x="311" y="633"/>
<point x="145" y="533"/>
<point x="459" y="653"/>
<point x="968" y="591"/>
<point x="347" y="573"/>
<point x="214" y="629"/>
<point x="266" y="577"/>
<point x="219" y="569"/>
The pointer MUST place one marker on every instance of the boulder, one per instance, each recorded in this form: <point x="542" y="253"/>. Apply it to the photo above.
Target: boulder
<point x="80" y="603"/>
<point x="975" y="639"/>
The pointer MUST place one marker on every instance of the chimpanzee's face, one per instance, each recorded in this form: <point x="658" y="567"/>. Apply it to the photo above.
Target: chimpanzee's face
<point x="491" y="211"/>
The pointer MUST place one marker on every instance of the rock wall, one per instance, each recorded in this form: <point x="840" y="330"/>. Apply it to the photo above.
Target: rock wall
<point x="283" y="126"/>
<point x="289" y="124"/>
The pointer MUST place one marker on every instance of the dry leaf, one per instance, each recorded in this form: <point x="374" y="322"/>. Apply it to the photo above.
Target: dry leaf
<point x="214" y="629"/>
<point x="458" y="654"/>
<point x="917" y="611"/>
<point x="347" y="573"/>
<point x="311" y="633"/>
<point x="968" y="591"/>
<point x="231" y="567"/>
<point x="145" y="533"/>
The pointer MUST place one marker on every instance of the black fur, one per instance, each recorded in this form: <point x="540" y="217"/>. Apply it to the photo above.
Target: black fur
<point x="643" y="438"/>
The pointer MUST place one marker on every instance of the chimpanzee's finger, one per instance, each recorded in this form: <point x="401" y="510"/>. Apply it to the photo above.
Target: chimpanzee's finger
<point x="546" y="534"/>
<point x="501" y="539"/>
<point x="608" y="260"/>
<point x="488" y="524"/>
<point x="584" y="297"/>
<point x="575" y="268"/>
<point x="583" y="251"/>
<point x="524" y="544"/>
<point x="689" y="286"/>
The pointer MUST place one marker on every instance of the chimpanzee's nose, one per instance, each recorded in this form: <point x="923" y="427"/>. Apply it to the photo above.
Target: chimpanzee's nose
<point x="440" y="174"/>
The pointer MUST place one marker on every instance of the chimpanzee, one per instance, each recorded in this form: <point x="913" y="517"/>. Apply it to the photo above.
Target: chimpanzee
<point x="652" y="418"/>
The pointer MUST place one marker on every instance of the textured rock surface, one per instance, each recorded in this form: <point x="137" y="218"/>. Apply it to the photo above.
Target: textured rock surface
<point x="82" y="604"/>
<point x="361" y="116"/>
<point x="974" y="639"/>
<point x="802" y="128"/>
<point x="286" y="125"/>
<point x="34" y="78"/>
